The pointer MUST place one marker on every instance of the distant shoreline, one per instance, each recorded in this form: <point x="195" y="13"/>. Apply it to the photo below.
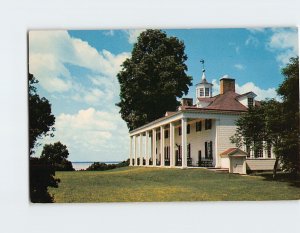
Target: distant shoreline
<point x="96" y="162"/>
<point x="83" y="165"/>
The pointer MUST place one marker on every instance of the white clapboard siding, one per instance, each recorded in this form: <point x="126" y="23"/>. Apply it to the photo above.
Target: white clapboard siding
<point x="226" y="128"/>
<point x="260" y="164"/>
<point x="195" y="139"/>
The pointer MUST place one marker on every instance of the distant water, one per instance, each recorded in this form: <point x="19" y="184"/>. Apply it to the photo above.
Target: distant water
<point x="84" y="165"/>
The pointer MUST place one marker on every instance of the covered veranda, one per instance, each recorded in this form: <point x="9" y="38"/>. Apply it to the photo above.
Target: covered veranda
<point x="148" y="143"/>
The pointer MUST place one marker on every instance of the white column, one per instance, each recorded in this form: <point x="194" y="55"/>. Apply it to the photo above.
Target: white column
<point x="147" y="148"/>
<point x="141" y="149"/>
<point x="184" y="142"/>
<point x="154" y="147"/>
<point x="172" y="145"/>
<point x="217" y="157"/>
<point x="135" y="150"/>
<point x="130" y="152"/>
<point x="162" y="146"/>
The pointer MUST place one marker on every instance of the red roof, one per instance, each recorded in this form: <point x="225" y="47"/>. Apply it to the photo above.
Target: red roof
<point x="232" y="151"/>
<point x="210" y="99"/>
<point x="245" y="94"/>
<point x="227" y="101"/>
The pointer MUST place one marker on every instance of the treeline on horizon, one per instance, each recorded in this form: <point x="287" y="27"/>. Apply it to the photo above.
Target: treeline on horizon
<point x="99" y="166"/>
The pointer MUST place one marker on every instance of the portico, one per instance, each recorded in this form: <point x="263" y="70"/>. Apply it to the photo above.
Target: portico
<point x="155" y="144"/>
<point x="181" y="139"/>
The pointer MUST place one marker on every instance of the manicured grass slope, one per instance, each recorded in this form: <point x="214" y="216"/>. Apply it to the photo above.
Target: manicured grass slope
<point x="134" y="184"/>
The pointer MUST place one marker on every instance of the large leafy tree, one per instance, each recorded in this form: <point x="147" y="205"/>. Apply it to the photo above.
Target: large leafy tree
<point x="260" y="128"/>
<point x="275" y="123"/>
<point x="289" y="91"/>
<point x="153" y="78"/>
<point x="41" y="120"/>
<point x="56" y="154"/>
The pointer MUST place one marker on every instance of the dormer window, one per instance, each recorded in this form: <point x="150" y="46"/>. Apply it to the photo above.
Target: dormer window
<point x="201" y="92"/>
<point x="250" y="102"/>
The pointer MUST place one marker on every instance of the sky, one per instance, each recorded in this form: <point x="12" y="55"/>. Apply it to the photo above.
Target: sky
<point x="77" y="73"/>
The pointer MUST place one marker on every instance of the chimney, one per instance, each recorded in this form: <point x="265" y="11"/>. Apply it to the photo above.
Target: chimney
<point x="186" y="102"/>
<point x="227" y="84"/>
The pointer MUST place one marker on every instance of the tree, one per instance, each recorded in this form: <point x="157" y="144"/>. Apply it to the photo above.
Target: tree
<point x="41" y="175"/>
<point x="41" y="120"/>
<point x="153" y="78"/>
<point x="56" y="154"/>
<point x="289" y="92"/>
<point x="260" y="128"/>
<point x="96" y="166"/>
<point x="275" y="123"/>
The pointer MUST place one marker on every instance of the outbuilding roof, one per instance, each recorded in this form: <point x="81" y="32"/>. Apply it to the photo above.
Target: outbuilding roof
<point x="234" y="152"/>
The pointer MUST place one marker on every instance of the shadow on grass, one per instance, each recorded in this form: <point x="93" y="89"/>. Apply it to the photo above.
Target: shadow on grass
<point x="280" y="177"/>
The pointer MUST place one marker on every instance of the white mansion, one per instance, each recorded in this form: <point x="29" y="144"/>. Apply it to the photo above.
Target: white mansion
<point x="197" y="135"/>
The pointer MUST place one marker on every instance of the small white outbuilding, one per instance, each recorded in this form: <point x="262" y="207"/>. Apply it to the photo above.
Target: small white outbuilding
<point x="235" y="160"/>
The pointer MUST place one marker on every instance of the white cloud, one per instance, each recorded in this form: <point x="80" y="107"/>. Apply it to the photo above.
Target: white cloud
<point x="249" y="86"/>
<point x="52" y="74"/>
<point x="109" y="33"/>
<point x="239" y="66"/>
<point x="49" y="51"/>
<point x="251" y="40"/>
<point x="133" y="34"/>
<point x="261" y="93"/>
<point x="89" y="134"/>
<point x="100" y="134"/>
<point x="235" y="46"/>
<point x="285" y="43"/>
<point x="256" y="29"/>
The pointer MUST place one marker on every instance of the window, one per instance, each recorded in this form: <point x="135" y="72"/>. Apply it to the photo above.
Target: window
<point x="189" y="151"/>
<point x="206" y="91"/>
<point x="208" y="123"/>
<point x="166" y="133"/>
<point x="258" y="152"/>
<point x="188" y="128"/>
<point x="269" y="152"/>
<point x="167" y="153"/>
<point x="208" y="150"/>
<point x="198" y="126"/>
<point x="250" y="102"/>
<point x="179" y="153"/>
<point x="179" y="131"/>
<point x="199" y="157"/>
<point x="157" y="136"/>
<point x="201" y="92"/>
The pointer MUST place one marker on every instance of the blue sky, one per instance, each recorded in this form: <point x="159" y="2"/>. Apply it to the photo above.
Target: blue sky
<point x="77" y="74"/>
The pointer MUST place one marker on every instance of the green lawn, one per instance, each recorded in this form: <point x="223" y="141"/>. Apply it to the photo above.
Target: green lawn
<point x="137" y="184"/>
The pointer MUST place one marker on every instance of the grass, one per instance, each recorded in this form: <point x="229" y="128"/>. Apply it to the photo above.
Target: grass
<point x="136" y="184"/>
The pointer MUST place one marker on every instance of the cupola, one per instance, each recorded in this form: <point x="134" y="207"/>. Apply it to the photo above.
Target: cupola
<point x="204" y="88"/>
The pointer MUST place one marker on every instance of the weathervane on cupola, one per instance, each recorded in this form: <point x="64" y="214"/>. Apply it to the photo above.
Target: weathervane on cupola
<point x="203" y="79"/>
<point x="204" y="88"/>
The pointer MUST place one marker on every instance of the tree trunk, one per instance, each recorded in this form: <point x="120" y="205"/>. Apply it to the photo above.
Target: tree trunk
<point x="275" y="168"/>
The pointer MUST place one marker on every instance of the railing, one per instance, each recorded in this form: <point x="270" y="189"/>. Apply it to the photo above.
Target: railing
<point x="205" y="163"/>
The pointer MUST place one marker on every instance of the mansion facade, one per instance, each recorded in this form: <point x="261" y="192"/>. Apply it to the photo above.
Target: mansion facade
<point x="198" y="134"/>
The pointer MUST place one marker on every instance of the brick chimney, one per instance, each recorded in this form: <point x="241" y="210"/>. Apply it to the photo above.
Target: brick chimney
<point x="186" y="102"/>
<point x="227" y="84"/>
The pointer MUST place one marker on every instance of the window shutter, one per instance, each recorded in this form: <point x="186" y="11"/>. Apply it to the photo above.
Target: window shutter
<point x="211" y="152"/>
<point x="206" y="150"/>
